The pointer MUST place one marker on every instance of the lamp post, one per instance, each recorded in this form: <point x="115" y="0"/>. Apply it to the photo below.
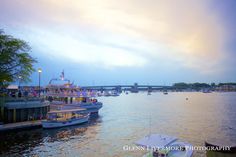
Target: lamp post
<point x="20" y="77"/>
<point x="39" y="71"/>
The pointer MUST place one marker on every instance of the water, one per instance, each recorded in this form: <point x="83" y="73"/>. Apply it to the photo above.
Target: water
<point x="127" y="118"/>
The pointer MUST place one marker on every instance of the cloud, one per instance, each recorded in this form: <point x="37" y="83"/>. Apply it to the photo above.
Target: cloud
<point x="126" y="32"/>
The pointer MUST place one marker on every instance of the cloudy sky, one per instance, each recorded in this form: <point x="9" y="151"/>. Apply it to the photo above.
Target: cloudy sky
<point x="126" y="41"/>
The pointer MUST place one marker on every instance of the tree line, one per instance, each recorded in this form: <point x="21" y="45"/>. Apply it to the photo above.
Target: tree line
<point x="198" y="86"/>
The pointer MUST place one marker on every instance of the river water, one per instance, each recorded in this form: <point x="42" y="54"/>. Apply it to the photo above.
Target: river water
<point x="127" y="118"/>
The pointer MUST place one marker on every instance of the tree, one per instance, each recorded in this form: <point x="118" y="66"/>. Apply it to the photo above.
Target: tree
<point x="213" y="84"/>
<point x="15" y="61"/>
<point x="181" y="85"/>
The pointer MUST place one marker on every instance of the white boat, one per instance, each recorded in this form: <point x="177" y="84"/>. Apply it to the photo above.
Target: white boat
<point x="107" y="93"/>
<point x="91" y="105"/>
<point x="165" y="92"/>
<point x="206" y="91"/>
<point x="64" y="118"/>
<point x="165" y="146"/>
<point x="68" y="96"/>
<point x="99" y="94"/>
<point x="114" y="93"/>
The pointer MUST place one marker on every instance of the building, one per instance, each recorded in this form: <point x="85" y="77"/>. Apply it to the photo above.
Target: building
<point x="226" y="88"/>
<point x="15" y="109"/>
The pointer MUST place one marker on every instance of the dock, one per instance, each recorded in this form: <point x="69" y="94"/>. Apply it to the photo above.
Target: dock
<point x="21" y="125"/>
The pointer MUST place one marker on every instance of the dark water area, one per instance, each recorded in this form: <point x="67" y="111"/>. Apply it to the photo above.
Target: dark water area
<point x="127" y="118"/>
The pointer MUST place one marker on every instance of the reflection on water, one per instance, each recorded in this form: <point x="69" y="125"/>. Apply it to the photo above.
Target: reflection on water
<point x="126" y="118"/>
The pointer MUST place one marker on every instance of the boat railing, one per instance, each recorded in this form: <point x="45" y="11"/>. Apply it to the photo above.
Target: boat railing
<point x="25" y="104"/>
<point x="70" y="94"/>
<point x="22" y="99"/>
<point x="65" y="117"/>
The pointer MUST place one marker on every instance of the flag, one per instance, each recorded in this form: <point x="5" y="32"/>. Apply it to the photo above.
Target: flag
<point x="62" y="75"/>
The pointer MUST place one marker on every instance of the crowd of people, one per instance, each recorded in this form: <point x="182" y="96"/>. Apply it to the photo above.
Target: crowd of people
<point x="22" y="92"/>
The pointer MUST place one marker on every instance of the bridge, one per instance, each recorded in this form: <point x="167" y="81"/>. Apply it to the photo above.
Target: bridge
<point x="132" y="88"/>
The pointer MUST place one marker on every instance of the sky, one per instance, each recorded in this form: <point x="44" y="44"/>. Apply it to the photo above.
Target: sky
<point x="103" y="42"/>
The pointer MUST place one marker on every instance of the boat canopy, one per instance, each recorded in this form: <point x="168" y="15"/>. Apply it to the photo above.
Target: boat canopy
<point x="12" y="87"/>
<point x="66" y="111"/>
<point x="156" y="140"/>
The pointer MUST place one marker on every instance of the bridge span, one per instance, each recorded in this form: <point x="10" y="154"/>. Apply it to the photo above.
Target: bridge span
<point x="133" y="88"/>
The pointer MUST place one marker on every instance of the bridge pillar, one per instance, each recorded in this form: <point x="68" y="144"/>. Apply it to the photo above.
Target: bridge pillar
<point x="118" y="89"/>
<point x="149" y="89"/>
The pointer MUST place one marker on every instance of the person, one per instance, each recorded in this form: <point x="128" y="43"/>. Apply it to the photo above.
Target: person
<point x="13" y="94"/>
<point x="26" y="93"/>
<point x="19" y="94"/>
<point x="50" y="99"/>
<point x="34" y="93"/>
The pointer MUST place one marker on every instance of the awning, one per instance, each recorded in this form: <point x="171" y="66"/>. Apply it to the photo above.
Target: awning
<point x="12" y="87"/>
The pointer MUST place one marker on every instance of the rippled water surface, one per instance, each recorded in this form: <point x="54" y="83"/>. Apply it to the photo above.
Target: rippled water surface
<point x="127" y="118"/>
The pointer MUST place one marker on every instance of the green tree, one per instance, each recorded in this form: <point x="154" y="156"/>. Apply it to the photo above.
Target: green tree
<point x="213" y="84"/>
<point x="15" y="61"/>
<point x="181" y="85"/>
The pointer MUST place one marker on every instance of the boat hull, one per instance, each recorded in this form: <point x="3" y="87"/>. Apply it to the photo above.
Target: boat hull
<point x="187" y="152"/>
<point x="90" y="107"/>
<point x="57" y="124"/>
<point x="218" y="148"/>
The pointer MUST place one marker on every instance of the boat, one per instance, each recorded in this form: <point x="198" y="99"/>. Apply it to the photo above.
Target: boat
<point x="114" y="93"/>
<point x="62" y="118"/>
<point x="164" y="145"/>
<point x="134" y="90"/>
<point x="219" y="147"/>
<point x="111" y="93"/>
<point x="99" y="94"/>
<point x="68" y="96"/>
<point x="206" y="91"/>
<point x="106" y="93"/>
<point x="165" y="92"/>
<point x="90" y="104"/>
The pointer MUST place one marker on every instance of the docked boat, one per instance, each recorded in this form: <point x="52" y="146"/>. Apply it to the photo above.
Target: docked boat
<point x="67" y="96"/>
<point x="91" y="105"/>
<point x="217" y="146"/>
<point x="165" y="146"/>
<point x="64" y="118"/>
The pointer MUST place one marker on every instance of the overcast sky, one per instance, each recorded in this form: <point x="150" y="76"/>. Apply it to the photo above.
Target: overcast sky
<point x="121" y="42"/>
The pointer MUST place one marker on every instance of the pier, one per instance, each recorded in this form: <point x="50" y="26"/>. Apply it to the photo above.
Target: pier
<point x="15" y="109"/>
<point x="21" y="125"/>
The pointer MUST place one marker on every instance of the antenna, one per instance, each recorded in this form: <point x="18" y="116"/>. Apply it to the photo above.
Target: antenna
<point x="150" y="124"/>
